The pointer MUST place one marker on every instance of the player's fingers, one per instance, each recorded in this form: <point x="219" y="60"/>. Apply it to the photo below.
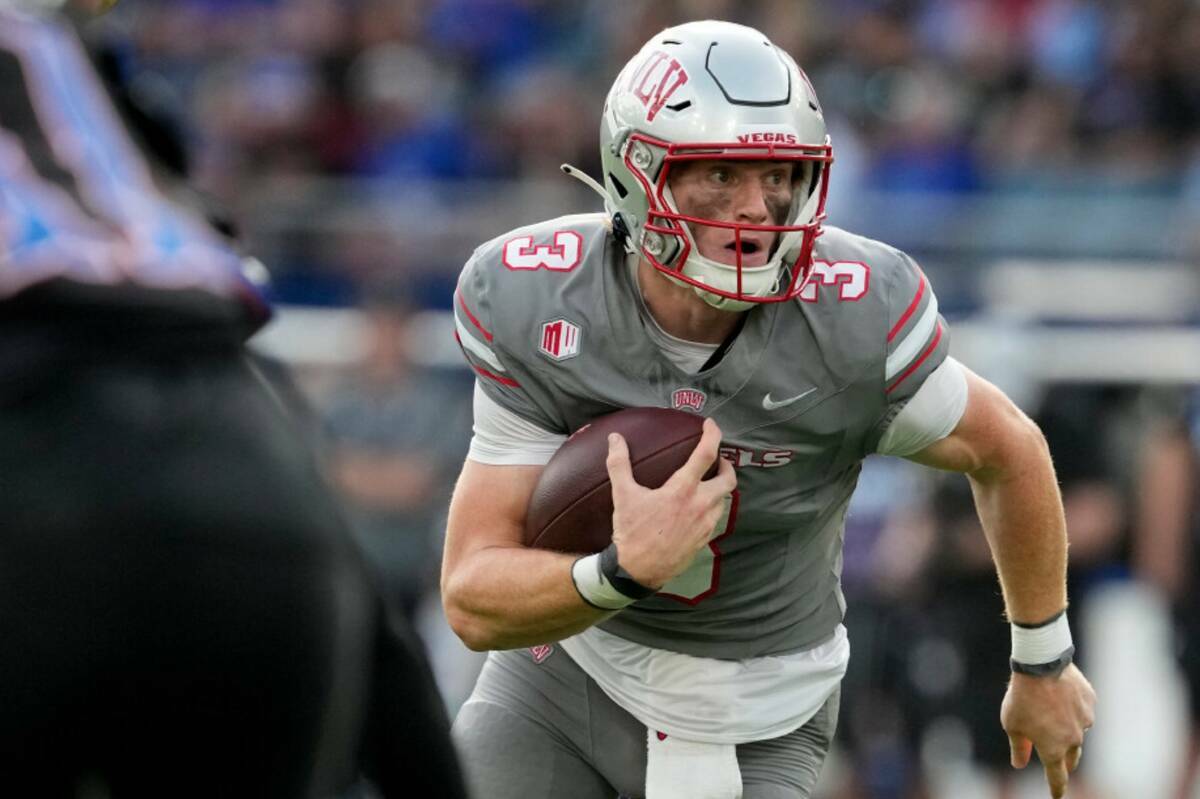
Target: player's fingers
<point x="1074" y="754"/>
<point x="717" y="516"/>
<point x="620" y="474"/>
<point x="725" y="480"/>
<point x="704" y="454"/>
<point x="1056" y="776"/>
<point x="1021" y="748"/>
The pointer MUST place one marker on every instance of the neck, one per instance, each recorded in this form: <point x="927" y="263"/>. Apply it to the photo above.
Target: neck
<point x="680" y="311"/>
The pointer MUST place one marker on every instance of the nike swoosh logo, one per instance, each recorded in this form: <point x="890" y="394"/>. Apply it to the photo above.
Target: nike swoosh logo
<point x="771" y="405"/>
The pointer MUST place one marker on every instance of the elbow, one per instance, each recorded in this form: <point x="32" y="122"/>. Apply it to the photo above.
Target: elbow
<point x="1031" y="438"/>
<point x="1020" y="448"/>
<point x="467" y="625"/>
<point x="470" y="631"/>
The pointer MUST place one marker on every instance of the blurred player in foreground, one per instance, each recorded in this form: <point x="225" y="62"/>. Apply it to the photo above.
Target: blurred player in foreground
<point x="182" y="613"/>
<point x="704" y="659"/>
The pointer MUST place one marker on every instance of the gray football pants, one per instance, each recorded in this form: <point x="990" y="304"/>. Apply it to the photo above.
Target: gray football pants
<point x="547" y="731"/>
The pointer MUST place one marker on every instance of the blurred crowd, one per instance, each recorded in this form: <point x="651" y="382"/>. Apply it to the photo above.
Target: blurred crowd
<point x="945" y="94"/>
<point x="958" y="97"/>
<point x="952" y="96"/>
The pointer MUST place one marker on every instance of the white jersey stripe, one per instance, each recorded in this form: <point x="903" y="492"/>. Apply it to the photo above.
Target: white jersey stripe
<point x="931" y="414"/>
<point x="912" y="344"/>
<point x="503" y="438"/>
<point x="476" y="347"/>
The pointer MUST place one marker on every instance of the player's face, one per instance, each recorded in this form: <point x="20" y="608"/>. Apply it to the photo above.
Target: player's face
<point x="748" y="192"/>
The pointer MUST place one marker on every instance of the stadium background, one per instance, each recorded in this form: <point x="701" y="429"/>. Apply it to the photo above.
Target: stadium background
<point x="1041" y="158"/>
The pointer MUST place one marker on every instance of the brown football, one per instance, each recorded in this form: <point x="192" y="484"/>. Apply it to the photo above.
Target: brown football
<point x="571" y="507"/>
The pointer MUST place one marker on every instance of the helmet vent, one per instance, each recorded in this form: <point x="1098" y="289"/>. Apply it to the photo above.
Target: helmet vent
<point x="679" y="106"/>
<point x="671" y="41"/>
<point x="748" y="78"/>
<point x="622" y="192"/>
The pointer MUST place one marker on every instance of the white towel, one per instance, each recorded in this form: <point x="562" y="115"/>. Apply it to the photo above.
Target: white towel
<point x="680" y="769"/>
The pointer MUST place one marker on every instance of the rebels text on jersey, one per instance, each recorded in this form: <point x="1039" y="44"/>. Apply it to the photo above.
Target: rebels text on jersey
<point x="551" y="320"/>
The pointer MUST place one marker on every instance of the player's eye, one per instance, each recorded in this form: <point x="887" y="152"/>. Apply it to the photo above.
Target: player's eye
<point x="720" y="175"/>
<point x="776" y="178"/>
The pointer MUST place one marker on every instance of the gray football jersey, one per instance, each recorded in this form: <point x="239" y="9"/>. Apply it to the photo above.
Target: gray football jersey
<point x="551" y="319"/>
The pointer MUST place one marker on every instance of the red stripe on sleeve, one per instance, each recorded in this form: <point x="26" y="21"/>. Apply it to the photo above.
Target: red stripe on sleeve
<point x="471" y="316"/>
<point x="504" y="381"/>
<point x="908" y="312"/>
<point x="928" y="351"/>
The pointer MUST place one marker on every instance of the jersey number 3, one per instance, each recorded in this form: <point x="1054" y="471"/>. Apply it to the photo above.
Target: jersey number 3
<point x="852" y="279"/>
<point x="702" y="578"/>
<point x="562" y="254"/>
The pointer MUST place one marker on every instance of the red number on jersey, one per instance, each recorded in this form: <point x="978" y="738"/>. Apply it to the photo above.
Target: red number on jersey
<point x="562" y="255"/>
<point x="852" y="278"/>
<point x="702" y="578"/>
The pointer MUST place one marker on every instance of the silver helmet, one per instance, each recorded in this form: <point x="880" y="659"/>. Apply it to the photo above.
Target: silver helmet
<point x="714" y="90"/>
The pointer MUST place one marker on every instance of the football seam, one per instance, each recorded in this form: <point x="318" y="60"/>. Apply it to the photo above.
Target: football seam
<point x="598" y="486"/>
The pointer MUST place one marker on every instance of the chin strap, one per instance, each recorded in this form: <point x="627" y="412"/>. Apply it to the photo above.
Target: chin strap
<point x="610" y="207"/>
<point x="590" y="182"/>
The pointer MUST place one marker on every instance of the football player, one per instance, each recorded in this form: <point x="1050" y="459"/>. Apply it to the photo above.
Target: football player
<point x="181" y="608"/>
<point x="701" y="654"/>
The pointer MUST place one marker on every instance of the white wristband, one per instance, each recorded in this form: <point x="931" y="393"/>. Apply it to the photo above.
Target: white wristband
<point x="1036" y="645"/>
<point x="594" y="587"/>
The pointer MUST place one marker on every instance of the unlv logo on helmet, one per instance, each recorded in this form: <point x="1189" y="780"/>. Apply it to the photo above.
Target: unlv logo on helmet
<point x="688" y="399"/>
<point x="656" y="80"/>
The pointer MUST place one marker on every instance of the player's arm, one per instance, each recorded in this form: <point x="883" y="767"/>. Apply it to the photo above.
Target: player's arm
<point x="499" y="594"/>
<point x="1005" y="457"/>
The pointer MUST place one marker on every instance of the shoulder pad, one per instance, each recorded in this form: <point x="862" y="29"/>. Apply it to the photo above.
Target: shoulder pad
<point x="515" y="284"/>
<point x="875" y="298"/>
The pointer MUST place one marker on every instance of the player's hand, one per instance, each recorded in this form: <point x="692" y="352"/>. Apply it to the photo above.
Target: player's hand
<point x="659" y="531"/>
<point x="1050" y="714"/>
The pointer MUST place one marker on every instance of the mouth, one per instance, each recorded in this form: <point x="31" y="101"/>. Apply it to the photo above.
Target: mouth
<point x="748" y="247"/>
<point x="754" y="252"/>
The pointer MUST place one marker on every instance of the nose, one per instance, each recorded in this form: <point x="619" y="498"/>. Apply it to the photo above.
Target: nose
<point x="750" y="203"/>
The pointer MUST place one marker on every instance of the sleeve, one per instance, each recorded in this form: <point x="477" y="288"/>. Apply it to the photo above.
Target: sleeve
<point x="501" y="374"/>
<point x="917" y="341"/>
<point x="932" y="413"/>
<point x="503" y="438"/>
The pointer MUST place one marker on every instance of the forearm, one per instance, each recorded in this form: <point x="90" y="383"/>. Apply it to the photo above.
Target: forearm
<point x="512" y="596"/>
<point x="1021" y="511"/>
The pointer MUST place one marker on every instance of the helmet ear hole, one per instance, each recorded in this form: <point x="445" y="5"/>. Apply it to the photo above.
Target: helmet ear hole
<point x="621" y="231"/>
<point x="622" y="192"/>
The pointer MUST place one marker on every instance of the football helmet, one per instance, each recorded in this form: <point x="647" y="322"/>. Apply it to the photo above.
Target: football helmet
<point x="714" y="90"/>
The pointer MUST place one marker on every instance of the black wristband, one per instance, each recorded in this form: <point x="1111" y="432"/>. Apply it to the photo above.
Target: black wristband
<point x="1052" y="669"/>
<point x="1037" y="625"/>
<point x="610" y="567"/>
